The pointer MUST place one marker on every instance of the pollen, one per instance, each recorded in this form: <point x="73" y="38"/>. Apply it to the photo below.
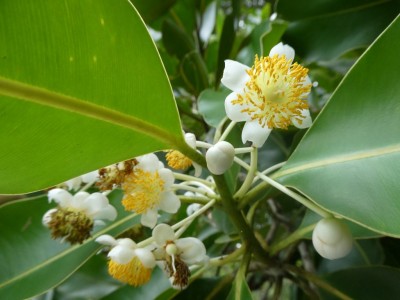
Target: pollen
<point x="132" y="273"/>
<point x="177" y="160"/>
<point x="142" y="190"/>
<point x="275" y="92"/>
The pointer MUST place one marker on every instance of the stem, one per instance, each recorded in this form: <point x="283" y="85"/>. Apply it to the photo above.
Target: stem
<point x="223" y="260"/>
<point x="244" y="230"/>
<point x="250" y="175"/>
<point x="191" y="200"/>
<point x="317" y="281"/>
<point x="295" y="236"/>
<point x="270" y="170"/>
<point x="243" y="150"/>
<point x="185" y="177"/>
<point x="181" y="186"/>
<point x="218" y="131"/>
<point x="306" y="202"/>
<point x="227" y="131"/>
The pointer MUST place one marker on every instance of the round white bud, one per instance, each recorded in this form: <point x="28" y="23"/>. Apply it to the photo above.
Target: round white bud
<point x="220" y="157"/>
<point x="332" y="239"/>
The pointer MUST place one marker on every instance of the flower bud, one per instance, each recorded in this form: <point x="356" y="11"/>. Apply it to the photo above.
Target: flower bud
<point x="220" y="157"/>
<point x="332" y="239"/>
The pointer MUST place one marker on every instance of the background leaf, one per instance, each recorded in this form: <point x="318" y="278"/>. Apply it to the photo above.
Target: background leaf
<point x="314" y="31"/>
<point x="98" y="53"/>
<point x="348" y="161"/>
<point x="30" y="258"/>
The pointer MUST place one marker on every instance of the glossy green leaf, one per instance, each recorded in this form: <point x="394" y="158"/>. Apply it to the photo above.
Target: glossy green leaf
<point x="348" y="161"/>
<point x="367" y="283"/>
<point x="176" y="40"/>
<point x="194" y="72"/>
<point x="314" y="31"/>
<point x="211" y="105"/>
<point x="151" y="10"/>
<point x="88" y="70"/>
<point x="31" y="259"/>
<point x="226" y="43"/>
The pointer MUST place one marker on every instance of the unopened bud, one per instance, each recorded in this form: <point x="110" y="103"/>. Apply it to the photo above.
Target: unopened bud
<point x="332" y="239"/>
<point x="220" y="157"/>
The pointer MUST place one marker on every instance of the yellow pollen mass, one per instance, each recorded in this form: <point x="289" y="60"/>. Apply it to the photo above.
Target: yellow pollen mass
<point x="177" y="160"/>
<point x="133" y="273"/>
<point x="275" y="93"/>
<point x="142" y="190"/>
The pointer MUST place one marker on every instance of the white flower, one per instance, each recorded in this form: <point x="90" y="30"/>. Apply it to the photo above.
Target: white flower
<point x="220" y="157"/>
<point x="148" y="188"/>
<point x="270" y="94"/>
<point x="94" y="206"/>
<point x="179" y="161"/>
<point x="128" y="263"/>
<point x="178" y="254"/>
<point x="75" y="183"/>
<point x="332" y="239"/>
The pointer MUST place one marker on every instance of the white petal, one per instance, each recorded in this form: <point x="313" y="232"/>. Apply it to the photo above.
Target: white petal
<point x="78" y="201"/>
<point x="121" y="255"/>
<point x="193" y="250"/>
<point x="148" y="162"/>
<point x="255" y="133"/>
<point x="98" y="223"/>
<point x="74" y="183"/>
<point x="169" y="202"/>
<point x="127" y="243"/>
<point x="106" y="239"/>
<point x="163" y="233"/>
<point x="108" y="213"/>
<point x="282" y="49"/>
<point x="94" y="203"/>
<point x="167" y="176"/>
<point x="146" y="257"/>
<point x="190" y="139"/>
<point x="306" y="122"/>
<point x="149" y="218"/>
<point x="60" y="196"/>
<point x="235" y="75"/>
<point x="47" y="216"/>
<point x="192" y="208"/>
<point x="234" y="111"/>
<point x="90" y="177"/>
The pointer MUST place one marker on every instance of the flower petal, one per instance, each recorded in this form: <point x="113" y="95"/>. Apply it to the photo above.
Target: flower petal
<point x="90" y="177"/>
<point x="235" y="75"/>
<point x="282" y="49"/>
<point x="146" y="257"/>
<point x="163" y="233"/>
<point x="305" y="123"/>
<point x="78" y="201"/>
<point x="74" y="183"/>
<point x="149" y="218"/>
<point x="234" y="111"/>
<point x="148" y="162"/>
<point x="60" y="196"/>
<point x="169" y="202"/>
<point x="106" y="239"/>
<point x="167" y="176"/>
<point x="47" y="216"/>
<point x="197" y="169"/>
<point x="190" y="139"/>
<point x="121" y="255"/>
<point x="94" y="203"/>
<point x="255" y="133"/>
<point x="108" y="213"/>
<point x="193" y="250"/>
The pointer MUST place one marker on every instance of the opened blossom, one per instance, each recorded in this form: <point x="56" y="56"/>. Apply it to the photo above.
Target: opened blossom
<point x="148" y="189"/>
<point x="75" y="216"/>
<point x="128" y="263"/>
<point x="177" y="254"/>
<point x="270" y="94"/>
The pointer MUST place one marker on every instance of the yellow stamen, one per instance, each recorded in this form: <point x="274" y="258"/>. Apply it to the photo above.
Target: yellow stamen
<point x="133" y="273"/>
<point x="177" y="160"/>
<point x="275" y="92"/>
<point x="142" y="190"/>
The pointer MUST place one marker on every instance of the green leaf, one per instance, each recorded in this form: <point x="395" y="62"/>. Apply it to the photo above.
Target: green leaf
<point x="314" y="31"/>
<point x="367" y="283"/>
<point x="151" y="10"/>
<point x="176" y="40"/>
<point x="211" y="105"/>
<point x="348" y="161"/>
<point x="194" y="72"/>
<point x="88" y="72"/>
<point x="240" y="290"/>
<point x="31" y="259"/>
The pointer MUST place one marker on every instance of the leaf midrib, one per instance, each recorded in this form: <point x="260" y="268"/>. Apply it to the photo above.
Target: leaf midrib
<point x="338" y="159"/>
<point x="23" y="91"/>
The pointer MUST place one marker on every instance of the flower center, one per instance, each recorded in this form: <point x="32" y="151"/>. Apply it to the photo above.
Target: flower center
<point x="133" y="273"/>
<point x="275" y="93"/>
<point x="177" y="160"/>
<point x="142" y="190"/>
